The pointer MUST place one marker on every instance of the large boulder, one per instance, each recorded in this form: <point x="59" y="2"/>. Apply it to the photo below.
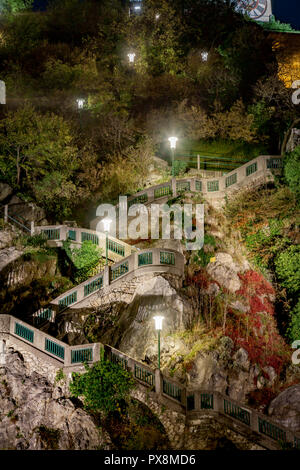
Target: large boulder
<point x="26" y="211"/>
<point x="225" y="271"/>
<point x="5" y="191"/>
<point x="285" y="408"/>
<point x="36" y="414"/>
<point x="154" y="296"/>
<point x="8" y="255"/>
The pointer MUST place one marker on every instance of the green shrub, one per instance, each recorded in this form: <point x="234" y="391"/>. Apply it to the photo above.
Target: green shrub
<point x="292" y="170"/>
<point x="59" y="376"/>
<point x="203" y="257"/>
<point x="288" y="268"/>
<point x="294" y="327"/>
<point x="103" y="386"/>
<point x="35" y="241"/>
<point x="180" y="167"/>
<point x="85" y="259"/>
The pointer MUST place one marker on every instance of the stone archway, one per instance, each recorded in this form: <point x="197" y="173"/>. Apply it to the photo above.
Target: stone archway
<point x="172" y="420"/>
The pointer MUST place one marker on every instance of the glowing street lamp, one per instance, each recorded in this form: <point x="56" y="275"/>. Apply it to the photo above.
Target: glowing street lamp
<point x="204" y="56"/>
<point x="106" y="225"/>
<point x="80" y="106"/>
<point x="80" y="103"/>
<point x="158" y="326"/>
<point x="173" y="142"/>
<point x="131" y="57"/>
<point x="157" y="16"/>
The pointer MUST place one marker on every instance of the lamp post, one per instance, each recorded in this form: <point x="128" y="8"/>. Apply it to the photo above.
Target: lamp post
<point x="158" y="326"/>
<point x="131" y="57"/>
<point x="80" y="106"/>
<point x="173" y="142"/>
<point x="106" y="224"/>
<point x="80" y="103"/>
<point x="204" y="56"/>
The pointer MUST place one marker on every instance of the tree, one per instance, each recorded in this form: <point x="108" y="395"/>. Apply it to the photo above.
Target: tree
<point x="37" y="153"/>
<point x="126" y="171"/>
<point x="55" y="192"/>
<point x="13" y="6"/>
<point x="103" y="386"/>
<point x="292" y="171"/>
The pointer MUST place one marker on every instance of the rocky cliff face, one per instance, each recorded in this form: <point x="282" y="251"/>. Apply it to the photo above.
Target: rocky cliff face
<point x="285" y="409"/>
<point x="35" y="413"/>
<point x="195" y="349"/>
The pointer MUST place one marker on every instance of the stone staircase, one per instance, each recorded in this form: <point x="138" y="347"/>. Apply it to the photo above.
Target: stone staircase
<point x="191" y="402"/>
<point x="130" y="263"/>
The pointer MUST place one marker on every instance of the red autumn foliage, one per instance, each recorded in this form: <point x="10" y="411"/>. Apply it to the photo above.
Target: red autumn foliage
<point x="202" y="280"/>
<point x="253" y="281"/>
<point x="256" y="331"/>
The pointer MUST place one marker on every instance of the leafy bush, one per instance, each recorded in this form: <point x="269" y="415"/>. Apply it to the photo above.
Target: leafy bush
<point x="202" y="257"/>
<point x="180" y="167"/>
<point x="292" y="170"/>
<point x="85" y="259"/>
<point x="288" y="268"/>
<point x="35" y="241"/>
<point x="294" y="328"/>
<point x="102" y="386"/>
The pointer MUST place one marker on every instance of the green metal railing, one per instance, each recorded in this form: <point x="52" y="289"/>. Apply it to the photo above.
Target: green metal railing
<point x="43" y="315"/>
<point x="163" y="191"/>
<point x="183" y="186"/>
<point x="24" y="332"/>
<point x="271" y="430"/>
<point x="116" y="247"/>
<point x="274" y="163"/>
<point x="81" y="355"/>
<point x="54" y="348"/>
<point x="68" y="300"/>
<point x="145" y="258"/>
<point x="52" y="233"/>
<point x="236" y="412"/>
<point x="119" y="271"/>
<point x="72" y="235"/>
<point x="85" y="236"/>
<point x="207" y="401"/>
<point x="121" y="361"/>
<point x="20" y="224"/>
<point x="167" y="258"/>
<point x="144" y="375"/>
<point x="213" y="186"/>
<point x="172" y="390"/>
<point x="232" y="179"/>
<point x="198" y="185"/>
<point x="251" y="169"/>
<point x="141" y="199"/>
<point x="93" y="286"/>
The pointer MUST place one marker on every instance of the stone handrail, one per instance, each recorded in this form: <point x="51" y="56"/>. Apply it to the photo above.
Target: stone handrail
<point x="56" y="234"/>
<point x="193" y="402"/>
<point x="254" y="170"/>
<point x="112" y="276"/>
<point x="251" y="173"/>
<point x="126" y="269"/>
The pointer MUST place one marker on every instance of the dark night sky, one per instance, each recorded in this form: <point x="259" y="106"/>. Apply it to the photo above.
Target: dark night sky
<point x="287" y="11"/>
